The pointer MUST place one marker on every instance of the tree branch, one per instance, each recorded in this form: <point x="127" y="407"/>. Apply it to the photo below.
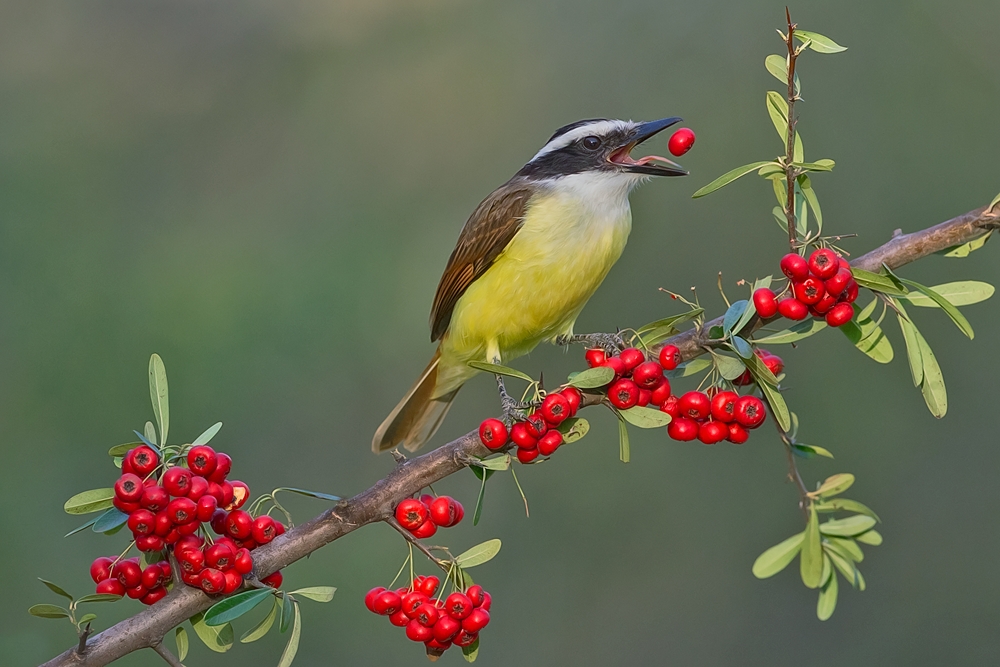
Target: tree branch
<point x="148" y="627"/>
<point x="167" y="656"/>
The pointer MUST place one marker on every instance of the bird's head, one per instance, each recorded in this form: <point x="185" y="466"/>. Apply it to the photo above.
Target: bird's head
<point x="601" y="146"/>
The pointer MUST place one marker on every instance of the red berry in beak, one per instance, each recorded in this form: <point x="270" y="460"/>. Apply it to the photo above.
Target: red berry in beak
<point x="680" y="142"/>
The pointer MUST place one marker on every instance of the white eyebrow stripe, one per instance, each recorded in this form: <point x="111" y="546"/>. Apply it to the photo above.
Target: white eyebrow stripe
<point x="600" y="128"/>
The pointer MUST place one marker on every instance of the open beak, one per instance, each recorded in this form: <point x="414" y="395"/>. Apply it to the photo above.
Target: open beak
<point x="651" y="165"/>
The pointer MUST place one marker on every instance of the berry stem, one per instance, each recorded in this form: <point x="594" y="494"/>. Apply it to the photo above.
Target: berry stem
<point x="414" y="542"/>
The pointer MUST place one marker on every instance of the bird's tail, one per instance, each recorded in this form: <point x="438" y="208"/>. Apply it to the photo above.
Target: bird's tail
<point x="418" y="416"/>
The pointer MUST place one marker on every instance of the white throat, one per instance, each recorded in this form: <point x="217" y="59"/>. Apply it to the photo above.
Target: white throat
<point x="603" y="194"/>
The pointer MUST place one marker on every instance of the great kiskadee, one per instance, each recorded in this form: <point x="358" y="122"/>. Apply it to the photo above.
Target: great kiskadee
<point x="527" y="261"/>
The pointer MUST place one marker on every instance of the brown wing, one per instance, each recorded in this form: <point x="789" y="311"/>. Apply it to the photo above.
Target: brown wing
<point x="487" y="232"/>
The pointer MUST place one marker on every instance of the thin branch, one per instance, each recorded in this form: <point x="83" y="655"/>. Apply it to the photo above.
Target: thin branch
<point x="408" y="536"/>
<point x="167" y="656"/>
<point x="794" y="475"/>
<point x="790" y="171"/>
<point x="148" y="627"/>
<point x="82" y="646"/>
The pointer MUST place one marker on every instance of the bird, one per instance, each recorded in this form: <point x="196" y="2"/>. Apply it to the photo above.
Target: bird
<point x="527" y="261"/>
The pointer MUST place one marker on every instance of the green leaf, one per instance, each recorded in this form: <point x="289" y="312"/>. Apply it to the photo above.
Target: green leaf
<point x="311" y="494"/>
<point x="86" y="618"/>
<point x="624" y="452"/>
<point x="573" y="429"/>
<point x="158" y="395"/>
<point x="501" y="462"/>
<point x="777" y="558"/>
<point x="794" y="333"/>
<point x="733" y="315"/>
<point x="845" y="505"/>
<point x="689" y="368"/>
<point x="827" y="599"/>
<point x="932" y="386"/>
<point x="292" y="647"/>
<point x="316" y="593"/>
<point x="962" y="293"/>
<point x="877" y="282"/>
<point x="772" y="171"/>
<point x="48" y="611"/>
<point x="742" y="347"/>
<point x="846" y="566"/>
<point x="811" y="561"/>
<point x="849" y="527"/>
<point x="809" y="194"/>
<point x="811" y="450"/>
<point x="122" y="450"/>
<point x="965" y="249"/>
<point x="872" y="537"/>
<point x="99" y="597"/>
<point x="777" y="109"/>
<point x="728" y="178"/>
<point x="209" y="433"/>
<point x="111" y="519"/>
<point x="728" y="367"/>
<point x="912" y="347"/>
<point x="230" y="608"/>
<point x="846" y="547"/>
<point x="149" y="433"/>
<point x="945" y="305"/>
<point x="285" y="619"/>
<point x="818" y="165"/>
<point x="471" y="652"/>
<point x="261" y="628"/>
<point x="819" y="43"/>
<point x="86" y="502"/>
<point x="56" y="589"/>
<point x="671" y="321"/>
<point x="217" y="638"/>
<point x="80" y="529"/>
<point x="482" y="475"/>
<point x="497" y="369"/>
<point x="181" y="640"/>
<point x="778" y="67"/>
<point x="478" y="554"/>
<point x="868" y="337"/>
<point x="644" y="417"/>
<point x="592" y="378"/>
<point x="835" y="485"/>
<point x="778" y="407"/>
<point x="760" y="372"/>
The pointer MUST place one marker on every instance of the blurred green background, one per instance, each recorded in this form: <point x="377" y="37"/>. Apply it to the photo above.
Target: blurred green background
<point x="266" y="194"/>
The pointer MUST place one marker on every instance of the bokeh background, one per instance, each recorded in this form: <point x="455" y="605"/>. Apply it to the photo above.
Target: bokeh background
<point x="266" y="193"/>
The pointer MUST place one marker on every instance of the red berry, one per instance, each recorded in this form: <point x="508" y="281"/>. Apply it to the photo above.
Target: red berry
<point x="521" y="437"/>
<point x="444" y="512"/>
<point x="142" y="522"/>
<point x="823" y="263"/>
<point x="737" y="434"/>
<point x="213" y="581"/>
<point x="774" y="364"/>
<point x="463" y="638"/>
<point x="671" y="406"/>
<point x="555" y="409"/>
<point x="199" y="487"/>
<point x="263" y="530"/>
<point x="477" y="620"/>
<point x="143" y="460"/>
<point x="129" y="488"/>
<point x="476" y="594"/>
<point x="233" y="581"/>
<point x="220" y="556"/>
<point x="188" y="543"/>
<point x="644" y="396"/>
<point x="822" y="306"/>
<point x="218" y="521"/>
<point x="458" y="605"/>
<point x="712" y="432"/>
<point x="239" y="524"/>
<point x="487" y="601"/>
<point x="128" y="573"/>
<point x="241" y="494"/>
<point x="838" y="283"/>
<point x="535" y="423"/>
<point x="149" y="543"/>
<point x="631" y="357"/>
<point x="794" y="267"/>
<point x="411" y="513"/>
<point x="189" y="528"/>
<point x="660" y="394"/>
<point x="370" y="598"/>
<point x="840" y="314"/>
<point x="750" y="411"/>
<point x="695" y="405"/>
<point x="111" y="587"/>
<point x="426" y="585"/>
<point x="648" y="375"/>
<point x="549" y="443"/>
<point x="425" y="530"/>
<point x="793" y="309"/>
<point x="137" y="592"/>
<point x="446" y="626"/>
<point x="223" y="464"/>
<point x="399" y="619"/>
<point x="493" y="434"/>
<point x="412" y="601"/>
<point x="683" y="429"/>
<point x="851" y="292"/>
<point x="527" y="455"/>
<point x="724" y="406"/>
<point x="418" y="632"/>
<point x="681" y="141"/>
<point x="809" y="291"/>
<point x="615" y="364"/>
<point x="243" y="563"/>
<point x="191" y="561"/>
<point x="100" y="569"/>
<point x="227" y="495"/>
<point x="206" y="508"/>
<point x="154" y="498"/>
<point x="426" y="614"/>
<point x="182" y="510"/>
<point x="765" y="303"/>
<point x="623" y="394"/>
<point x="595" y="357"/>
<point x="273" y="580"/>
<point x="573" y="397"/>
<point x="670" y="357"/>
<point x="201" y="460"/>
<point x="152" y="576"/>
<point x="177" y="481"/>
<point x="154" y="595"/>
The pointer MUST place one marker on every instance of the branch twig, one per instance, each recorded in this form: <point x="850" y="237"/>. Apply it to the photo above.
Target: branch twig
<point x="790" y="171"/>
<point x="167" y="656"/>
<point x="148" y="627"/>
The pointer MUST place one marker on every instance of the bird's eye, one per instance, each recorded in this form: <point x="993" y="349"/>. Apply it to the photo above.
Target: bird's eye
<point x="592" y="143"/>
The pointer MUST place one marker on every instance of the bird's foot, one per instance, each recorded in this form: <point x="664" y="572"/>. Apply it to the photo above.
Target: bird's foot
<point x="513" y="410"/>
<point x="612" y="343"/>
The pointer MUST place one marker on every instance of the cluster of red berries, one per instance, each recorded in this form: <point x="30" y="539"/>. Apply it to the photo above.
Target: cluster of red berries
<point x="423" y="517"/>
<point x="126" y="577"/>
<point x="538" y="435"/>
<point x="170" y="510"/>
<point x="437" y="623"/>
<point x="822" y="286"/>
<point x="714" y="416"/>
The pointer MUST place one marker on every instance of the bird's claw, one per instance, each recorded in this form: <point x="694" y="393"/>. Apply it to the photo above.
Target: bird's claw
<point x="612" y="343"/>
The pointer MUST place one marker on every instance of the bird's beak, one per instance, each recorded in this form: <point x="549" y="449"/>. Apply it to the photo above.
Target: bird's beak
<point x="651" y="165"/>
